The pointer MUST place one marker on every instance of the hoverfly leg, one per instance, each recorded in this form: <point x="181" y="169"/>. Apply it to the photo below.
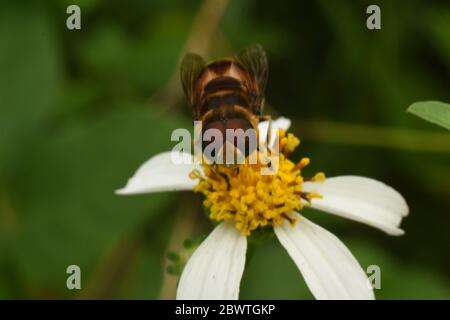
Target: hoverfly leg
<point x="269" y="128"/>
<point x="224" y="176"/>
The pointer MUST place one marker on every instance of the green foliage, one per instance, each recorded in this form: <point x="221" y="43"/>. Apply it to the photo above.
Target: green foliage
<point x="30" y="77"/>
<point x="399" y="279"/>
<point x="432" y="111"/>
<point x="271" y="274"/>
<point x="72" y="177"/>
<point x="81" y="110"/>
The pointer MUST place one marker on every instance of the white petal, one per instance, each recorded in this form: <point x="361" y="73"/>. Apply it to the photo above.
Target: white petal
<point x="328" y="267"/>
<point x="280" y="123"/>
<point x="162" y="173"/>
<point x="215" y="269"/>
<point x="361" y="199"/>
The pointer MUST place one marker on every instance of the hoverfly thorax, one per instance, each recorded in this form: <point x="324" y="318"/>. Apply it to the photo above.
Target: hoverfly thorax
<point x="227" y="96"/>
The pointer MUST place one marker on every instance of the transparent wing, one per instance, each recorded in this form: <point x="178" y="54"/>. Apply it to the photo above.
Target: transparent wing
<point x="191" y="66"/>
<point x="254" y="59"/>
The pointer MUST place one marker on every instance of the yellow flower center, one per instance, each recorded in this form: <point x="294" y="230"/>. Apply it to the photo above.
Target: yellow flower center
<point x="242" y="194"/>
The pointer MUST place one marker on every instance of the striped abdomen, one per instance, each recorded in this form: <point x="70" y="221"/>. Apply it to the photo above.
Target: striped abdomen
<point x="224" y="85"/>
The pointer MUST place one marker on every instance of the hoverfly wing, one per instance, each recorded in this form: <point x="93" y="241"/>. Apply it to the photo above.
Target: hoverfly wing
<point x="254" y="60"/>
<point x="190" y="69"/>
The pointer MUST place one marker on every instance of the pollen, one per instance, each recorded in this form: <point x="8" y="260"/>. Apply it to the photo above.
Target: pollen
<point x="250" y="199"/>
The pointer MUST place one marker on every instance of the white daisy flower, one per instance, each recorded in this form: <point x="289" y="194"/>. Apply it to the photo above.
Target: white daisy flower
<point x="244" y="200"/>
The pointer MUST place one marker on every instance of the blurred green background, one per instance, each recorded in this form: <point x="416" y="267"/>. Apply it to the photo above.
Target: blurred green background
<point x="81" y="110"/>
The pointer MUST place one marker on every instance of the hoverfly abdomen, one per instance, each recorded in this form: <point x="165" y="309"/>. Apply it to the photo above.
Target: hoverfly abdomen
<point x="230" y="99"/>
<point x="222" y="83"/>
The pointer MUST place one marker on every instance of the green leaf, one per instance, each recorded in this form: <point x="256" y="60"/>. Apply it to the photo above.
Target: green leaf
<point x="433" y="111"/>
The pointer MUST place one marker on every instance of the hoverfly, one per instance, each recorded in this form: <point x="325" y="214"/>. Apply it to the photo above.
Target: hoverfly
<point x="226" y="93"/>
